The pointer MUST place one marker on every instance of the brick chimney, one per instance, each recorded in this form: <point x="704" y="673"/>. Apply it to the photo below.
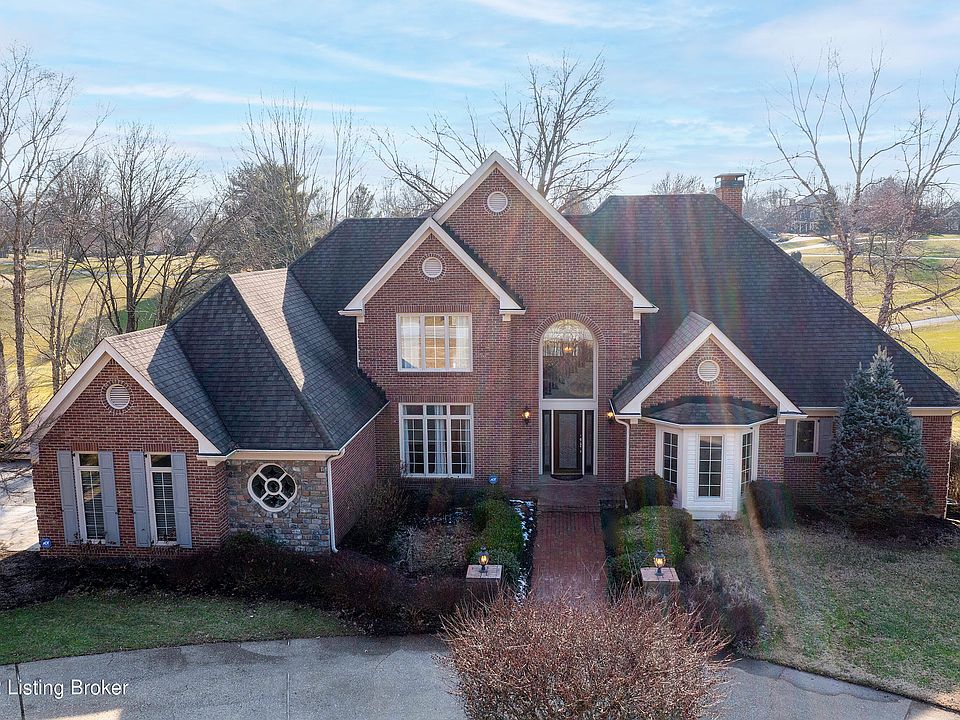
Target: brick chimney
<point x="729" y="188"/>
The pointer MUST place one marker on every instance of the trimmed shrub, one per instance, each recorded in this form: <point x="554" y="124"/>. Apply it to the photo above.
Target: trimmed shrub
<point x="769" y="503"/>
<point x="385" y="510"/>
<point x="632" y="658"/>
<point x="647" y="491"/>
<point x="640" y="534"/>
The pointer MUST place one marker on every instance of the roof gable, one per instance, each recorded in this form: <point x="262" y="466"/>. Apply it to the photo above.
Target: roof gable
<point x="158" y="359"/>
<point x="497" y="162"/>
<point x="509" y="304"/>
<point x="692" y="334"/>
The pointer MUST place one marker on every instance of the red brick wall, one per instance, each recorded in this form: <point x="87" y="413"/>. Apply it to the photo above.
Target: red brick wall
<point x="353" y="475"/>
<point x="555" y="281"/>
<point x="802" y="473"/>
<point x="643" y="447"/>
<point x="90" y="425"/>
<point x="732" y="382"/>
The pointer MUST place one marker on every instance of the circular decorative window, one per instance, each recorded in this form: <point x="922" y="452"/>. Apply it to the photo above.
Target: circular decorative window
<point x="708" y="370"/>
<point x="497" y="202"/>
<point x="432" y="267"/>
<point x="272" y="487"/>
<point x="118" y="397"/>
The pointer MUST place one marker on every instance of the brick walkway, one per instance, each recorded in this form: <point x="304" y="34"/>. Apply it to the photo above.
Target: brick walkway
<point x="568" y="555"/>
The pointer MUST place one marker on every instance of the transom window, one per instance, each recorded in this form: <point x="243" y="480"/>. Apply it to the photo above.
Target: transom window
<point x="711" y="465"/>
<point x="272" y="487"/>
<point x="671" y="455"/>
<point x="87" y="467"/>
<point x="806" y="437"/>
<point x="161" y="499"/>
<point x="437" y="440"/>
<point x="434" y="342"/>
<point x="568" y="349"/>
<point x="746" y="459"/>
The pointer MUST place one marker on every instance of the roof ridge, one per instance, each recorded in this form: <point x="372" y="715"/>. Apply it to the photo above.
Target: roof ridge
<point x="315" y="421"/>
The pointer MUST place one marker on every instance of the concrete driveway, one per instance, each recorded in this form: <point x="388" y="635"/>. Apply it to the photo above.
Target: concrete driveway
<point x="361" y="678"/>
<point x="18" y="509"/>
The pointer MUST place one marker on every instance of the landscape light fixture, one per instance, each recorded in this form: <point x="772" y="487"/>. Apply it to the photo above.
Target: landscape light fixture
<point x="484" y="560"/>
<point x="659" y="560"/>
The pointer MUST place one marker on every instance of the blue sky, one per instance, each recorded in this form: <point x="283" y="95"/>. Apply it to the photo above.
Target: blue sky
<point x="692" y="76"/>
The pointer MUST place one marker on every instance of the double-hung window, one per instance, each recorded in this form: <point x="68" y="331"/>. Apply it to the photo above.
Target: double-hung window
<point x="437" y="440"/>
<point x="806" y="437"/>
<point x="746" y="459"/>
<point x="434" y="342"/>
<point x="160" y="489"/>
<point x="671" y="456"/>
<point x="89" y="496"/>
<point x="711" y="465"/>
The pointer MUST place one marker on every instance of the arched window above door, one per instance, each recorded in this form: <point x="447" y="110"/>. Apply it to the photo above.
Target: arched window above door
<point x="568" y="361"/>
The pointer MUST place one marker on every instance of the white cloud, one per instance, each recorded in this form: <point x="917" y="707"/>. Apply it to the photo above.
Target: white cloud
<point x="462" y="74"/>
<point x="585" y="14"/>
<point x="159" y="91"/>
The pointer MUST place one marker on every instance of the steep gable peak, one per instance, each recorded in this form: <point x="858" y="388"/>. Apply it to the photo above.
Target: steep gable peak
<point x="496" y="162"/>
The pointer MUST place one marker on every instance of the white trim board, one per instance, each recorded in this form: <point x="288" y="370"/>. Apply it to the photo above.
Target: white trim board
<point x="81" y="379"/>
<point x="739" y="358"/>
<point x="497" y="162"/>
<point x="355" y="308"/>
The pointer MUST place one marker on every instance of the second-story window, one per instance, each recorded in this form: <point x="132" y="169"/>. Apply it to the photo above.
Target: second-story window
<point x="434" y="342"/>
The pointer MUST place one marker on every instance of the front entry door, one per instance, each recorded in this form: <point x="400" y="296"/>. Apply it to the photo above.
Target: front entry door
<point x="568" y="442"/>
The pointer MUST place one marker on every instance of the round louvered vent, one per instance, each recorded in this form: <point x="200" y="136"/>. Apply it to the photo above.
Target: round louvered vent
<point x="118" y="397"/>
<point x="708" y="370"/>
<point x="497" y="202"/>
<point x="432" y="267"/>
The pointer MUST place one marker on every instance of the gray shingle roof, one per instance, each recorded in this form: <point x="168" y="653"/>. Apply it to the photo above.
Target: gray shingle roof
<point x="336" y="395"/>
<point x="710" y="411"/>
<point x="690" y="253"/>
<point x="691" y="327"/>
<point x="158" y="356"/>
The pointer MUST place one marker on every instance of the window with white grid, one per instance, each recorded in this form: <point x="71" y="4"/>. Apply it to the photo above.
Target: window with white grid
<point x="434" y="342"/>
<point x="91" y="500"/>
<point x="437" y="440"/>
<point x="161" y="499"/>
<point x="671" y="456"/>
<point x="711" y="465"/>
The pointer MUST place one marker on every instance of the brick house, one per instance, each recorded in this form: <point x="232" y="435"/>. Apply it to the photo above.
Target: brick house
<point x="495" y="337"/>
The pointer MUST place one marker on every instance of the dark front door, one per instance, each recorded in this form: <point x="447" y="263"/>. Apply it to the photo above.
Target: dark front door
<point x="568" y="442"/>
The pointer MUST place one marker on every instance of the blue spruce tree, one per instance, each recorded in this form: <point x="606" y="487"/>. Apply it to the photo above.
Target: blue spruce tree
<point x="876" y="473"/>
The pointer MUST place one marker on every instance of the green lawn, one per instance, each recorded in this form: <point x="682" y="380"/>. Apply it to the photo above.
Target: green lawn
<point x="885" y="615"/>
<point x="107" y="622"/>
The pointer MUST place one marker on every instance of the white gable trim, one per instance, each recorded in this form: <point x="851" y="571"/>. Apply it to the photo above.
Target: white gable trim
<point x="81" y="379"/>
<point x="508" y="306"/>
<point x="785" y="405"/>
<point x="496" y="161"/>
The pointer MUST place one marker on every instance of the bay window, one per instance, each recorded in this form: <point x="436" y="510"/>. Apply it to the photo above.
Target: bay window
<point x="746" y="458"/>
<point x="671" y="456"/>
<point x="711" y="465"/>
<point x="434" y="342"/>
<point x="437" y="440"/>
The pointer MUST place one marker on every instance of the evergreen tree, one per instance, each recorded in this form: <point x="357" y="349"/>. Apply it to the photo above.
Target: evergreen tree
<point x="876" y="473"/>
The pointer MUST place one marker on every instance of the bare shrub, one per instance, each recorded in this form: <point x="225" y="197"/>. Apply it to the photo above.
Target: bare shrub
<point x="632" y="658"/>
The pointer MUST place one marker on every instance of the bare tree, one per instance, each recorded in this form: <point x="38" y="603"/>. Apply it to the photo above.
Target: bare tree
<point x="544" y="129"/>
<point x="912" y="204"/>
<point x="67" y="233"/>
<point x="146" y="186"/>
<point x="678" y="184"/>
<point x="347" y="172"/>
<point x="34" y="151"/>
<point x="275" y="198"/>
<point x="397" y="199"/>
<point x="814" y="109"/>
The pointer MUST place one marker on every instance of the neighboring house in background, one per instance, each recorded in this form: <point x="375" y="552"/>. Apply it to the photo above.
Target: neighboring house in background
<point x="804" y="217"/>
<point x="657" y="334"/>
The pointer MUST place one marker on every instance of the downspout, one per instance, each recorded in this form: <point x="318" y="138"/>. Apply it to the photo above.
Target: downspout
<point x="333" y="527"/>
<point x="626" y="459"/>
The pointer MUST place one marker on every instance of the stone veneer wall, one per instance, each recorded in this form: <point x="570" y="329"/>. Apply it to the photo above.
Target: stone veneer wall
<point x="303" y="526"/>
